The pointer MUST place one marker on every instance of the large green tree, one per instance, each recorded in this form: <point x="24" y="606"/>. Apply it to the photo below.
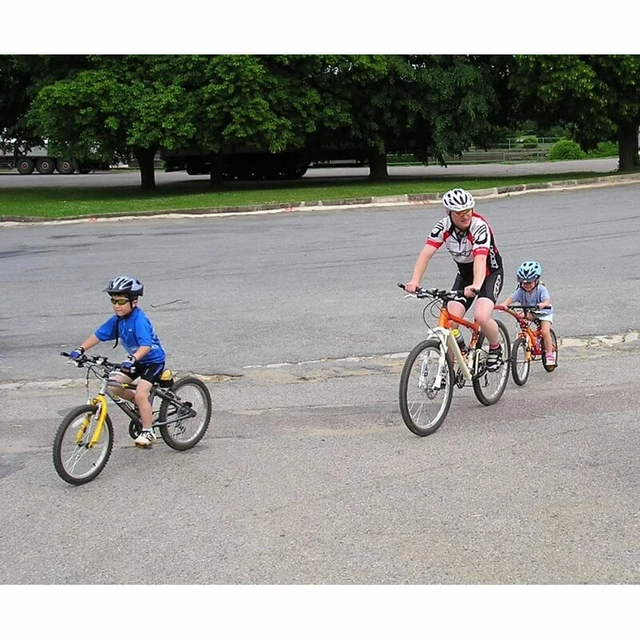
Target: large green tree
<point x="431" y="106"/>
<point x="259" y="103"/>
<point x="21" y="77"/>
<point x="597" y="97"/>
<point x="124" y="106"/>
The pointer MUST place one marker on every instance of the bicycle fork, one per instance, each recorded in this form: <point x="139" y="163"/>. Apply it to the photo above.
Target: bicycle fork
<point x="448" y="345"/>
<point x="101" y="402"/>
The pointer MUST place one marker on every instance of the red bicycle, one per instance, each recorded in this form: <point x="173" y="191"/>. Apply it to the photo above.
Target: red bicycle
<point x="528" y="345"/>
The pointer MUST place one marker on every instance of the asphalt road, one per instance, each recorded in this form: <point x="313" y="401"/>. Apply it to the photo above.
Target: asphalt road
<point x="123" y="178"/>
<point x="308" y="475"/>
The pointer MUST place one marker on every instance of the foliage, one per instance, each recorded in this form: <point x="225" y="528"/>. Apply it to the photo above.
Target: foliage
<point x="566" y="150"/>
<point x="597" y="97"/>
<point x="604" y="150"/>
<point x="530" y="142"/>
<point x="21" y="77"/>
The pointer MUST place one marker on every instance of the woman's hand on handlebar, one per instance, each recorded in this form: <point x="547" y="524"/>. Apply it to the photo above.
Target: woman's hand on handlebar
<point x="411" y="287"/>
<point x="470" y="292"/>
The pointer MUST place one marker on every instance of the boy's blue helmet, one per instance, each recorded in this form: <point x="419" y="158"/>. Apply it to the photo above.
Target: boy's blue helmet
<point x="528" y="271"/>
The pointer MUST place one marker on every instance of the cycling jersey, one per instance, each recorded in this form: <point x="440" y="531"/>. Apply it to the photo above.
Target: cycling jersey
<point x="134" y="331"/>
<point x="465" y="245"/>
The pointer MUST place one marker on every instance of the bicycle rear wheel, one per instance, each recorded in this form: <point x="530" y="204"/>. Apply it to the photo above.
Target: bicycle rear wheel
<point x="74" y="460"/>
<point x="189" y="405"/>
<point x="520" y="365"/>
<point x="554" y="341"/>
<point x="422" y="406"/>
<point x="490" y="385"/>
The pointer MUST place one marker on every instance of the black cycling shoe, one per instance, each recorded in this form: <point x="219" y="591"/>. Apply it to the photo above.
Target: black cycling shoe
<point x="494" y="359"/>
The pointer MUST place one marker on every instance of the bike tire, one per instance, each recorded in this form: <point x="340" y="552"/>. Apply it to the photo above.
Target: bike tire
<point x="494" y="380"/>
<point x="186" y="390"/>
<point x="520" y="365"/>
<point x="74" y="462"/>
<point x="554" y="341"/>
<point x="415" y="401"/>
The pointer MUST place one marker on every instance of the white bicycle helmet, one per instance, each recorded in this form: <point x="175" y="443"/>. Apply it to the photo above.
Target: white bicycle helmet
<point x="458" y="200"/>
<point x="126" y="285"/>
<point x="529" y="271"/>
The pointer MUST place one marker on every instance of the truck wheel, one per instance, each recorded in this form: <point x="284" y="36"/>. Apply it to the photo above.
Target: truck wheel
<point x="66" y="166"/>
<point x="25" y="166"/>
<point x="46" y="165"/>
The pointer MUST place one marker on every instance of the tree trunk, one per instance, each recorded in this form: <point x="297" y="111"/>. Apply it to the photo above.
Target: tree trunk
<point x="377" y="165"/>
<point x="145" y="157"/>
<point x="216" y="181"/>
<point x="628" y="146"/>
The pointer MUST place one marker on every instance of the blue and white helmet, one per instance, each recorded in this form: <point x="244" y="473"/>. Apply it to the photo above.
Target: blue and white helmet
<point x="126" y="285"/>
<point x="529" y="271"/>
<point x="458" y="200"/>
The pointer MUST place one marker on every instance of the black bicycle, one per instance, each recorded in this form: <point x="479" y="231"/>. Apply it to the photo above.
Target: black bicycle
<point x="84" y="440"/>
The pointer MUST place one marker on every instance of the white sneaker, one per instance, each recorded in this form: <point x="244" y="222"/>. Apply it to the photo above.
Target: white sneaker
<point x="145" y="439"/>
<point x="550" y="360"/>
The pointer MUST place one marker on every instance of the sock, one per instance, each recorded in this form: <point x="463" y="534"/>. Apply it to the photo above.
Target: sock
<point x="494" y="346"/>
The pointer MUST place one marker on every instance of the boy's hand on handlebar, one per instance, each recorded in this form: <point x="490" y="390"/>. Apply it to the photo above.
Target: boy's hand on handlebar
<point x="128" y="365"/>
<point x="77" y="354"/>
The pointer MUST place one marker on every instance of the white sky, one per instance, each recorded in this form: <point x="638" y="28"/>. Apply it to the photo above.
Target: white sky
<point x="328" y="26"/>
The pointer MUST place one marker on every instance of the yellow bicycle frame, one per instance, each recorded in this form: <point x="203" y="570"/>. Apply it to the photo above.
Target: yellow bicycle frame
<point x="102" y="416"/>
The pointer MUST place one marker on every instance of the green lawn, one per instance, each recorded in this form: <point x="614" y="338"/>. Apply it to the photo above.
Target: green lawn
<point x="69" y="202"/>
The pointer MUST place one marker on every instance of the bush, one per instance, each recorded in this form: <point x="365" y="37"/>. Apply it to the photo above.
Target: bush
<point x="604" y="150"/>
<point x="566" y="150"/>
<point x="530" y="142"/>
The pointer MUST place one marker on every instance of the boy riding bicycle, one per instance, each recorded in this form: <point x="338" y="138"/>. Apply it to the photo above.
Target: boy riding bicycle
<point x="146" y="356"/>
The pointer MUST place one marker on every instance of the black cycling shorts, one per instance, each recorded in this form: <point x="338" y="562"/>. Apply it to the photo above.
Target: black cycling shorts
<point x="491" y="287"/>
<point x="148" y="372"/>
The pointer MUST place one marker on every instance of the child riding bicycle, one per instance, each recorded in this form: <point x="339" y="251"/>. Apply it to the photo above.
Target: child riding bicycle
<point x="531" y="293"/>
<point x="146" y="356"/>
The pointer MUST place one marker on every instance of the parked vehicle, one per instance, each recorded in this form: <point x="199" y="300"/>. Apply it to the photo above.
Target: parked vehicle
<point x="37" y="159"/>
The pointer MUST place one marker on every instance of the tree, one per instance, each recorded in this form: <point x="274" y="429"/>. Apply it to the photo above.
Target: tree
<point x="21" y="77"/>
<point x="125" y="105"/>
<point x="256" y="103"/>
<point x="596" y="97"/>
<point x="431" y="106"/>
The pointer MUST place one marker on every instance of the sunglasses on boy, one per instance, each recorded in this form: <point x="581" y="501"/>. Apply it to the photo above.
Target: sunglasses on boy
<point x="120" y="301"/>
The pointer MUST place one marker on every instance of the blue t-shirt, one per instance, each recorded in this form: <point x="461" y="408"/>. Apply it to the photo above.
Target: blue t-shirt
<point x="533" y="298"/>
<point x="134" y="331"/>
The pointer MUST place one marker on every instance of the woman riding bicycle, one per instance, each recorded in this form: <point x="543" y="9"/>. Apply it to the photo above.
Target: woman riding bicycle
<point x="470" y="240"/>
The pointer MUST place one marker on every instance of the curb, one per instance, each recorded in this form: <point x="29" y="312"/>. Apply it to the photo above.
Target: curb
<point x="373" y="201"/>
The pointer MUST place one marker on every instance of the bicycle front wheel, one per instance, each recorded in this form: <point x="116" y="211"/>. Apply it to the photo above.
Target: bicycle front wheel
<point x="520" y="364"/>
<point x="426" y="388"/>
<point x="554" y="342"/>
<point x="490" y="385"/>
<point x="189" y="411"/>
<point x="74" y="458"/>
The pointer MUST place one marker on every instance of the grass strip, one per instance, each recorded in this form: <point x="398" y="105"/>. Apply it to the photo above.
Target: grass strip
<point x="194" y="195"/>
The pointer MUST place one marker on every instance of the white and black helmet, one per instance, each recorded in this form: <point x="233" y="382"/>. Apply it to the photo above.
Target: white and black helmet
<point x="124" y="284"/>
<point x="458" y="200"/>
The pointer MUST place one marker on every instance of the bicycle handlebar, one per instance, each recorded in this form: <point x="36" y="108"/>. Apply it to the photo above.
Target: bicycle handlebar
<point x="443" y="294"/>
<point x="512" y="307"/>
<point x="97" y="360"/>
